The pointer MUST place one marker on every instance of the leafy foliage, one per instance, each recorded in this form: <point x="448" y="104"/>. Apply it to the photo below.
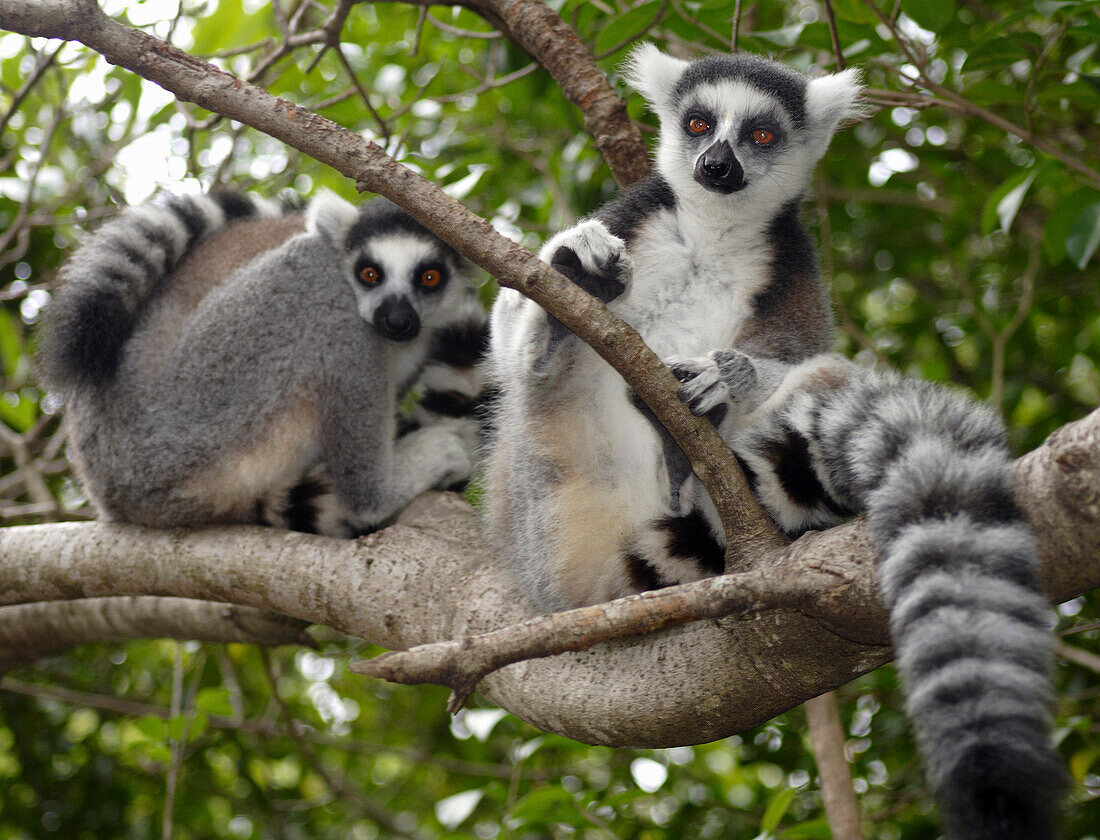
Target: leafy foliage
<point x="959" y="225"/>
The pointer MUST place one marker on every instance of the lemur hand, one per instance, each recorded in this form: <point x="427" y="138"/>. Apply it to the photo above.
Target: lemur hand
<point x="593" y="258"/>
<point x="717" y="383"/>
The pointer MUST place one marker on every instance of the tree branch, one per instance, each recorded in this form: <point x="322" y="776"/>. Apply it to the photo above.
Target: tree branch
<point x="29" y="632"/>
<point x="845" y="599"/>
<point x="827" y="739"/>
<point x="428" y="578"/>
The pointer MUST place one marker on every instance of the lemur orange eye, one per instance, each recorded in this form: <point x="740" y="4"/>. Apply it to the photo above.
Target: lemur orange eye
<point x="369" y="275"/>
<point x="762" y="136"/>
<point x="430" y="278"/>
<point x="697" y="125"/>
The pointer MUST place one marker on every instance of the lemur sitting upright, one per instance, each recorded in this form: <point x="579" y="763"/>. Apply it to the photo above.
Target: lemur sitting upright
<point x="225" y="358"/>
<point x="708" y="260"/>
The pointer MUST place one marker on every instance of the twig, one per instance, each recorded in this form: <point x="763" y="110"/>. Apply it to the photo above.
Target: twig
<point x="827" y="741"/>
<point x="175" y="746"/>
<point x="463" y="663"/>
<point x="1077" y="656"/>
<point x="336" y="784"/>
<point x="957" y="102"/>
<point x="737" y="24"/>
<point x="834" y="36"/>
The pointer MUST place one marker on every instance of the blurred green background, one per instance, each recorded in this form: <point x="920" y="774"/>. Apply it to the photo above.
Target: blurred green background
<point x="959" y="226"/>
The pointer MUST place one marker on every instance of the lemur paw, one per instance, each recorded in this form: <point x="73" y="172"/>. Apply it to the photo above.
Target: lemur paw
<point x="593" y="258"/>
<point x="453" y="458"/>
<point x="714" y="384"/>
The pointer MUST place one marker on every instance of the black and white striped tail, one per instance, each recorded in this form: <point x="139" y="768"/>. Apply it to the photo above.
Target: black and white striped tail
<point x="109" y="278"/>
<point x="958" y="571"/>
<point x="959" y="574"/>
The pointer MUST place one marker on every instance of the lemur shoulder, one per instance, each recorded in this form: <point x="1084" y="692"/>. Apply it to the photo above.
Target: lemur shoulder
<point x="709" y="261"/>
<point x="226" y="358"/>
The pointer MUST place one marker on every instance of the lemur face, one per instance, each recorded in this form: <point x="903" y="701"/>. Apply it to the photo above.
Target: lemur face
<point x="399" y="279"/>
<point x="739" y="125"/>
<point x="728" y="136"/>
<point x="400" y="273"/>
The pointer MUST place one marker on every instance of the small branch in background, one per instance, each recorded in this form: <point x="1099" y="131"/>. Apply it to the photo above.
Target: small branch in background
<point x="1077" y="656"/>
<point x="175" y="747"/>
<point x="827" y="741"/>
<point x="29" y="632"/>
<point x="338" y="785"/>
<point x="737" y="24"/>
<point x="834" y="36"/>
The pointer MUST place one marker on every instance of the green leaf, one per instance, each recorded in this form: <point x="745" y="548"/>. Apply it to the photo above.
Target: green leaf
<point x="933" y="15"/>
<point x="11" y="342"/>
<point x="1084" y="237"/>
<point x="626" y="26"/>
<point x="785" y="37"/>
<point x="214" y="701"/>
<point x="1004" y="202"/>
<point x="1062" y="221"/>
<point x="775" y="810"/>
<point x="994" y="55"/>
<point x="855" y="11"/>
<point x="541" y="803"/>
<point x="1049" y="7"/>
<point x="812" y="830"/>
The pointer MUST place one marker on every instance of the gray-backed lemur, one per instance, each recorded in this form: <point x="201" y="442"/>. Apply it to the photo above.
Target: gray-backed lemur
<point x="708" y="260"/>
<point x="226" y="358"/>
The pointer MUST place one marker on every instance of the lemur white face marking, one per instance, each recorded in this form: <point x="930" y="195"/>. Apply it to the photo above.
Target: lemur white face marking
<point x="738" y="126"/>
<point x="399" y="279"/>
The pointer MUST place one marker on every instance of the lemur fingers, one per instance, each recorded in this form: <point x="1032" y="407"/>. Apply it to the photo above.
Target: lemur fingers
<point x="717" y="383"/>
<point x="594" y="259"/>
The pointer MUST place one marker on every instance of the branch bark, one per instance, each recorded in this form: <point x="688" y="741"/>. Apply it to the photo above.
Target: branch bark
<point x="33" y="631"/>
<point x="428" y="578"/>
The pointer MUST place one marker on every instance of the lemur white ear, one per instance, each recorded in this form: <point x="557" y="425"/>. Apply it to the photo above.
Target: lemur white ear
<point x="331" y="216"/>
<point x="830" y="99"/>
<point x="653" y="74"/>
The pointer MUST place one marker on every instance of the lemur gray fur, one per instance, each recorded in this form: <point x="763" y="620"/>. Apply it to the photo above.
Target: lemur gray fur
<point x="708" y="260"/>
<point x="226" y="358"/>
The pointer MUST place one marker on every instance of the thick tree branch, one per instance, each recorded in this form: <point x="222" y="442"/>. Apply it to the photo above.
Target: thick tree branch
<point x="1063" y="473"/>
<point x="428" y="578"/>
<point x="193" y="80"/>
<point x="29" y="632"/>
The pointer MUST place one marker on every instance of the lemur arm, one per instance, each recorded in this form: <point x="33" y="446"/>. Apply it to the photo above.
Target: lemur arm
<point x="374" y="472"/>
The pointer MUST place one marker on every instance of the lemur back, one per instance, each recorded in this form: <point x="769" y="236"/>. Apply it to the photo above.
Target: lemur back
<point x="216" y="367"/>
<point x="590" y="499"/>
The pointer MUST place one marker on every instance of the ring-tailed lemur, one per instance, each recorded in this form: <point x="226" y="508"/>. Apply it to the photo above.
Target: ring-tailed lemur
<point x="226" y="358"/>
<point x="709" y="261"/>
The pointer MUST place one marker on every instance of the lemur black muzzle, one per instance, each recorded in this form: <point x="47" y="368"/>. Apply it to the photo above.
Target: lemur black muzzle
<point x="396" y="319"/>
<point x="718" y="170"/>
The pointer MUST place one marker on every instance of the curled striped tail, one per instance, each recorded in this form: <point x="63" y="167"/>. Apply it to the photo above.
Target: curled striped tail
<point x="959" y="574"/>
<point x="107" y="281"/>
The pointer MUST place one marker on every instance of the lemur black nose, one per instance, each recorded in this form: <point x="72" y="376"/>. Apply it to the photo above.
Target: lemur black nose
<point x="396" y="319"/>
<point x="718" y="169"/>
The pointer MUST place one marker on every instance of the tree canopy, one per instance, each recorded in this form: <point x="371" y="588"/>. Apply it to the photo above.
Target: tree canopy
<point x="959" y="226"/>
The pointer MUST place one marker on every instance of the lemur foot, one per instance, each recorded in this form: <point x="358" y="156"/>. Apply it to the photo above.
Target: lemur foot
<point x="717" y="383"/>
<point x="593" y="258"/>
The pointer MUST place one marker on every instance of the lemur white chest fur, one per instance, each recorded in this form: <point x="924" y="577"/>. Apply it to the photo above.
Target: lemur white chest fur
<point x="693" y="282"/>
<point x="590" y="499"/>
